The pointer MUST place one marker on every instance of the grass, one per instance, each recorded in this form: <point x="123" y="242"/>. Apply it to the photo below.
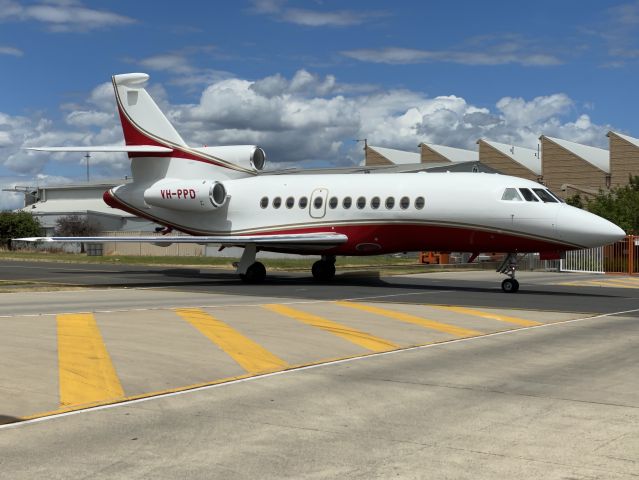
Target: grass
<point x="219" y="262"/>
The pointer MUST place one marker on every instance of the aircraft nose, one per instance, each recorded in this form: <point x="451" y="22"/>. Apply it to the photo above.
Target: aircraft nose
<point x="587" y="229"/>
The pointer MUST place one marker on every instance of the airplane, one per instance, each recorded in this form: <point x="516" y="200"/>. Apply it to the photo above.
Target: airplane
<point x="221" y="196"/>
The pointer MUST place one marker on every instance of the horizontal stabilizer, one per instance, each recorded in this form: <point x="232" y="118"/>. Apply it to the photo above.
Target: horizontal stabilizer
<point x="326" y="239"/>
<point x="107" y="148"/>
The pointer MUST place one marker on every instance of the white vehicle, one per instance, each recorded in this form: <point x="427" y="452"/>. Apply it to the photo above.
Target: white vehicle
<point x="219" y="196"/>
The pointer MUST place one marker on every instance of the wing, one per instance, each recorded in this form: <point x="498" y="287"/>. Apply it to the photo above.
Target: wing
<point x="320" y="240"/>
<point x="107" y="148"/>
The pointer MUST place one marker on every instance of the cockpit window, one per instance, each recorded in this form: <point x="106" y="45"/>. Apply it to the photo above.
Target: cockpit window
<point x="545" y="196"/>
<point x="511" y="194"/>
<point x="559" y="199"/>
<point x="528" y="195"/>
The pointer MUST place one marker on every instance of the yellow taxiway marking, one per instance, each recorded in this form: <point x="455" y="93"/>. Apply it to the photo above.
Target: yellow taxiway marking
<point x="251" y="356"/>
<point x="353" y="335"/>
<point x="86" y="372"/>
<point x="492" y="316"/>
<point x="405" y="317"/>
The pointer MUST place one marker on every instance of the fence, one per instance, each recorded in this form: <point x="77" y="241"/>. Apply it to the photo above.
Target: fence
<point x="618" y="257"/>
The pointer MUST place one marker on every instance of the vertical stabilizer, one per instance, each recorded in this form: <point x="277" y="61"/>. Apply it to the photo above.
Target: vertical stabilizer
<point x="143" y="123"/>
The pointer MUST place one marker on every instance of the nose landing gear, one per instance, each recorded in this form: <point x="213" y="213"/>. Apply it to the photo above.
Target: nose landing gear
<point x="508" y="267"/>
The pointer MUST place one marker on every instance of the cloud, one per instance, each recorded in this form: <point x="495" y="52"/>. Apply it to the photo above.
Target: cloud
<point x="313" y="18"/>
<point x="304" y="119"/>
<point x="396" y="55"/>
<point x="61" y="15"/>
<point x="5" y="50"/>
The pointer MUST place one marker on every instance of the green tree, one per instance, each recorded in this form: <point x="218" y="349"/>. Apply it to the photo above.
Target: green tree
<point x="75" y="226"/>
<point x="619" y="205"/>
<point x="16" y="225"/>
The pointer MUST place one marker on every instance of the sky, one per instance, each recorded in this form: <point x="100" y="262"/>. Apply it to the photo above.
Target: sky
<point x="307" y="79"/>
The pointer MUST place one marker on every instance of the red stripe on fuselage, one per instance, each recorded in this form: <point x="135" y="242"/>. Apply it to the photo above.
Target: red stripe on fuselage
<point x="392" y="238"/>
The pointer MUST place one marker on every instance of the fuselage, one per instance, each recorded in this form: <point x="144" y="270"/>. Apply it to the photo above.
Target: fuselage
<point x="385" y="213"/>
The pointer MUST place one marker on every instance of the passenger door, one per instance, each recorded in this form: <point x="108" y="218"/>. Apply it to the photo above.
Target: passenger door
<point x="318" y="202"/>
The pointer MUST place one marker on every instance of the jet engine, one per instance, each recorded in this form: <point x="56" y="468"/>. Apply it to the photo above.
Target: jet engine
<point x="250" y="157"/>
<point x="187" y="195"/>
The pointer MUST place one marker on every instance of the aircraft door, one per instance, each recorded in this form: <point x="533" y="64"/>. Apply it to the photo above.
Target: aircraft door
<point x="318" y="202"/>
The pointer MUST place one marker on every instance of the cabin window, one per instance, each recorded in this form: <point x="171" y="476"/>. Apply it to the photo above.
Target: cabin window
<point x="333" y="202"/>
<point x="290" y="202"/>
<point x="375" y="203"/>
<point x="390" y="202"/>
<point x="404" y="203"/>
<point x="317" y="203"/>
<point x="419" y="203"/>
<point x="303" y="202"/>
<point x="361" y="202"/>
<point x="277" y="202"/>
<point x="544" y="195"/>
<point x="528" y="195"/>
<point x="347" y="202"/>
<point x="264" y="202"/>
<point x="511" y="195"/>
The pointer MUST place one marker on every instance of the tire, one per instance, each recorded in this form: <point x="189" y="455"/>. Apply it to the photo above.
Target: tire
<point x="323" y="271"/>
<point x="256" y="273"/>
<point x="510" y="285"/>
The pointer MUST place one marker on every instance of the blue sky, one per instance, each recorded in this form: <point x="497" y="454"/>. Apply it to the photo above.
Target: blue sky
<point x="304" y="78"/>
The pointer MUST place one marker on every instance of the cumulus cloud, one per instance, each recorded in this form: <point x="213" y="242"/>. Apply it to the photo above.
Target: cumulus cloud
<point x="61" y="15"/>
<point x="305" y="119"/>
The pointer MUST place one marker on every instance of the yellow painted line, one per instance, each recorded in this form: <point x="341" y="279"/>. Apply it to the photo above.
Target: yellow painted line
<point x="353" y="335"/>
<point x="405" y="317"/>
<point x="251" y="356"/>
<point x="492" y="316"/>
<point x="86" y="372"/>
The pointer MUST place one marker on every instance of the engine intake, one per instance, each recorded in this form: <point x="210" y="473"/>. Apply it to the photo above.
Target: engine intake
<point x="186" y="195"/>
<point x="250" y="157"/>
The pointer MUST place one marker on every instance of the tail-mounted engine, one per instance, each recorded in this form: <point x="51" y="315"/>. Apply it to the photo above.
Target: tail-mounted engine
<point x="187" y="195"/>
<point x="250" y="157"/>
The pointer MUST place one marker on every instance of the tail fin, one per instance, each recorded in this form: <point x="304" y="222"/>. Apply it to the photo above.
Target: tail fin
<point x="143" y="123"/>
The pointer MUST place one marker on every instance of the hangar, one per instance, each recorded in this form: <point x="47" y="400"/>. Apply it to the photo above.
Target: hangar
<point x="624" y="158"/>
<point x="431" y="153"/>
<point x="571" y="168"/>
<point x="511" y="160"/>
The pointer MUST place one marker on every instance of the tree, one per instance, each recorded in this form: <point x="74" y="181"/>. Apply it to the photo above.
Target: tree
<point x="75" y="226"/>
<point x="16" y="225"/>
<point x="619" y="205"/>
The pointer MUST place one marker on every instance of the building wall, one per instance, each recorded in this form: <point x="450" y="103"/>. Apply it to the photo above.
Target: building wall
<point x="503" y="163"/>
<point x="429" y="155"/>
<point x="560" y="166"/>
<point x="373" y="157"/>
<point x="624" y="160"/>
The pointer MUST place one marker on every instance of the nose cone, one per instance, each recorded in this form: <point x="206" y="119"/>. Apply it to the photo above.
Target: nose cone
<point x="586" y="229"/>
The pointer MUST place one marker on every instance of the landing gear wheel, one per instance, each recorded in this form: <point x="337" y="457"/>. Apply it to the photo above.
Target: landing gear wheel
<point x="256" y="273"/>
<point x="510" y="285"/>
<point x="323" y="270"/>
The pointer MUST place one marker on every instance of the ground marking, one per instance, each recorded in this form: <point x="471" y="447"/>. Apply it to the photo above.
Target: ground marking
<point x="482" y="314"/>
<point x="363" y="339"/>
<point x="187" y="390"/>
<point x="251" y="356"/>
<point x="86" y="372"/>
<point x="407" y="318"/>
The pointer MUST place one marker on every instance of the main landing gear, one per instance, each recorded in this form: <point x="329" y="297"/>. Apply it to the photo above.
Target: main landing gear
<point x="508" y="267"/>
<point x="324" y="270"/>
<point x="249" y="270"/>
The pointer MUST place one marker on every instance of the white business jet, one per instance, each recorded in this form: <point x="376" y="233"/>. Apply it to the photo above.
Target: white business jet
<point x="219" y="196"/>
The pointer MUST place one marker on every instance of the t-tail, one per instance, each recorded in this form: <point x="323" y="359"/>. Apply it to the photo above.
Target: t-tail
<point x="156" y="149"/>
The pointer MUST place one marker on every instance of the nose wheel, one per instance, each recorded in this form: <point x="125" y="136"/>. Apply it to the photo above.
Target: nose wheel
<point x="509" y="267"/>
<point x="510" y="285"/>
